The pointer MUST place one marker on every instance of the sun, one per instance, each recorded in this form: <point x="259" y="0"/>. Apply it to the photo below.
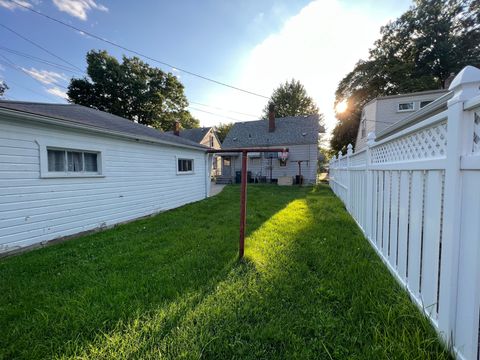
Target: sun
<point x="341" y="106"/>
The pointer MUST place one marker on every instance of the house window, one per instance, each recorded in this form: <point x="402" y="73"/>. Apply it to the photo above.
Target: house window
<point x="211" y="141"/>
<point x="226" y="161"/>
<point x="184" y="166"/>
<point x="283" y="162"/>
<point x="424" y="103"/>
<point x="72" y="162"/>
<point x="363" y="128"/>
<point x="408" y="106"/>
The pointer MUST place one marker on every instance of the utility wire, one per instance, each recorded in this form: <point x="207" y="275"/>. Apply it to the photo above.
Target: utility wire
<point x="18" y="68"/>
<point x="28" y="89"/>
<point x="137" y="52"/>
<point x="214" y="114"/>
<point x="64" y="68"/>
<point x="222" y="109"/>
<point x="40" y="60"/>
<point x="39" y="46"/>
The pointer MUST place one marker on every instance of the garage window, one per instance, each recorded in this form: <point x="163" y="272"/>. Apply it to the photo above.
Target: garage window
<point x="184" y="166"/>
<point x="73" y="162"/>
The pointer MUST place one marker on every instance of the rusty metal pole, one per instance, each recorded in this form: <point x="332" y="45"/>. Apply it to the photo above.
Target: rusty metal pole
<point x="243" y="205"/>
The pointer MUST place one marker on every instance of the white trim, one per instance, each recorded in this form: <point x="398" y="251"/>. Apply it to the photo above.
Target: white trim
<point x="472" y="103"/>
<point x="74" y="146"/>
<point x="406" y="110"/>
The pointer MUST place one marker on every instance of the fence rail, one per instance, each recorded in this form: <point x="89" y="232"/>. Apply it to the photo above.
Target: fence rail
<point x="416" y="196"/>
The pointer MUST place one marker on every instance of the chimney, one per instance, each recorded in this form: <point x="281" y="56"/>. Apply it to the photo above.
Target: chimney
<point x="448" y="81"/>
<point x="271" y="117"/>
<point x="176" y="129"/>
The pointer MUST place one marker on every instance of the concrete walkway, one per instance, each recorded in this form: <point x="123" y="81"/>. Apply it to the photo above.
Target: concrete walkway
<point x="215" y="188"/>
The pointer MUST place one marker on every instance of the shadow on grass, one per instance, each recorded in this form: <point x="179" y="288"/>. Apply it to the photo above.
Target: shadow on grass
<point x="310" y="287"/>
<point x="64" y="299"/>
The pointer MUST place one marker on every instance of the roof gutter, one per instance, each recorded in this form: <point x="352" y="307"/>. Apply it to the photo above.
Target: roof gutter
<point x="75" y="125"/>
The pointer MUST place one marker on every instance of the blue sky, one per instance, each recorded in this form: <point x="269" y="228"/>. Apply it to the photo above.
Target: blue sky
<point x="250" y="44"/>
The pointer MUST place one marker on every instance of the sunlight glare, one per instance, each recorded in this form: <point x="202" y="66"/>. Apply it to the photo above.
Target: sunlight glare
<point x="341" y="106"/>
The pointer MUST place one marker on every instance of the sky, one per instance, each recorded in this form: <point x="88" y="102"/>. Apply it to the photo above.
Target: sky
<point x="250" y="44"/>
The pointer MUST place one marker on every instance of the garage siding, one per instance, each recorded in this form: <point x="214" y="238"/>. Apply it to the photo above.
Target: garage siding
<point x="139" y="179"/>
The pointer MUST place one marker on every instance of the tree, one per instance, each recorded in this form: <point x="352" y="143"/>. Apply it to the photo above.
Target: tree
<point x="418" y="51"/>
<point x="132" y="89"/>
<point x="291" y="99"/>
<point x="3" y="87"/>
<point x="222" y="130"/>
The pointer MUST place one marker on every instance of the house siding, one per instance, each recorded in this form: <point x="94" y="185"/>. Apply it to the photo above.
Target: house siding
<point x="217" y="160"/>
<point x="296" y="152"/>
<point x="139" y="179"/>
<point x="369" y="114"/>
<point x="383" y="112"/>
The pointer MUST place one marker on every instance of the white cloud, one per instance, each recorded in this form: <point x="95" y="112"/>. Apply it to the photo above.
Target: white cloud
<point x="57" y="92"/>
<point x="78" y="8"/>
<point x="45" y="76"/>
<point x="318" y="46"/>
<point x="10" y="5"/>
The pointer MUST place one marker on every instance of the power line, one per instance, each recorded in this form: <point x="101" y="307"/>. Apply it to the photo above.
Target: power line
<point x="29" y="89"/>
<point x="39" y="46"/>
<point x="64" y="68"/>
<point x="20" y="69"/>
<point x="137" y="52"/>
<point x="214" y="114"/>
<point x="222" y="109"/>
<point x="40" y="60"/>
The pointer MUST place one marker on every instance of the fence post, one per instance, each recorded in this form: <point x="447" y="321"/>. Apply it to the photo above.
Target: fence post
<point x="341" y="173"/>
<point x="459" y="134"/>
<point x="369" y="175"/>
<point x="349" y="179"/>
<point x="333" y="172"/>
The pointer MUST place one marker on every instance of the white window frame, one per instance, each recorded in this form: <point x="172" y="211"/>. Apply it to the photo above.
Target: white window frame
<point x="406" y="110"/>
<point x="69" y="146"/>
<point x="177" y="158"/>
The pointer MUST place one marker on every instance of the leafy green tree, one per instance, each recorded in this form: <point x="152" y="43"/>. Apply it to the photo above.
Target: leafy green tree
<point x="222" y="130"/>
<point x="291" y="99"/>
<point x="3" y="87"/>
<point x="132" y="89"/>
<point x="418" y="51"/>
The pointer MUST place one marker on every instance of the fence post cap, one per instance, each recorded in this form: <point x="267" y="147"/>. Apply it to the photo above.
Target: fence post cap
<point x="340" y="154"/>
<point x="349" y="149"/>
<point x="469" y="74"/>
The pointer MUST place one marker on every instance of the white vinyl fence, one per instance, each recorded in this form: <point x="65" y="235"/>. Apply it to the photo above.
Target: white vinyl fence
<point x="416" y="196"/>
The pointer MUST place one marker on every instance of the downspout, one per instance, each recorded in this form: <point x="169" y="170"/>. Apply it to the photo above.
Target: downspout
<point x="207" y="188"/>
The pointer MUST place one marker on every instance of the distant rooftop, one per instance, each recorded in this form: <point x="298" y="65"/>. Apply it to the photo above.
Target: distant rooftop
<point x="195" y="135"/>
<point x="295" y="130"/>
<point x="95" y="119"/>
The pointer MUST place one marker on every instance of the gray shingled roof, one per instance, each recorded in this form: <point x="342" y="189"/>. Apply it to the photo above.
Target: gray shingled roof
<point x="195" y="135"/>
<point x="295" y="130"/>
<point x="83" y="115"/>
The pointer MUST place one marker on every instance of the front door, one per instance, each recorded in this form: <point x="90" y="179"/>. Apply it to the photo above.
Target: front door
<point x="226" y="166"/>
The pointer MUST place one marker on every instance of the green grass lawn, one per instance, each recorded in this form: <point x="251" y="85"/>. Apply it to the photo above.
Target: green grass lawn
<point x="170" y="287"/>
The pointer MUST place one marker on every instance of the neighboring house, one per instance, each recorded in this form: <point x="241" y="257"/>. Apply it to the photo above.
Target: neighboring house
<point x="298" y="134"/>
<point x="66" y="169"/>
<point x="382" y="112"/>
<point x="204" y="136"/>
